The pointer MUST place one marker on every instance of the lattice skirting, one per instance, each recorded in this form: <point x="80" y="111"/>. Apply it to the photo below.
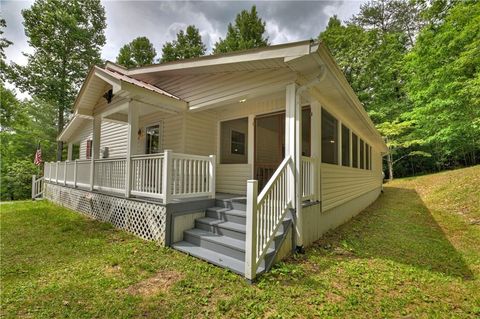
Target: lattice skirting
<point x="146" y="220"/>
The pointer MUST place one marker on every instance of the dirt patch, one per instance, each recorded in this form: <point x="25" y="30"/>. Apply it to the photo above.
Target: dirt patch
<point x="162" y="281"/>
<point x="113" y="270"/>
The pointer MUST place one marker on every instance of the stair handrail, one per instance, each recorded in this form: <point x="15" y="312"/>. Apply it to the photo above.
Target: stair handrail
<point x="265" y="214"/>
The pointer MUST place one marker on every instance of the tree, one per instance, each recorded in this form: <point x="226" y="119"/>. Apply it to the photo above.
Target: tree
<point x="33" y="122"/>
<point x="187" y="45"/>
<point x="139" y="52"/>
<point x="66" y="36"/>
<point x="247" y="33"/>
<point x="443" y="84"/>
<point x="392" y="16"/>
<point x="4" y="43"/>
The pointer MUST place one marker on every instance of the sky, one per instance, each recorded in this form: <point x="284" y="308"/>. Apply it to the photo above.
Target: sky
<point x="286" y="21"/>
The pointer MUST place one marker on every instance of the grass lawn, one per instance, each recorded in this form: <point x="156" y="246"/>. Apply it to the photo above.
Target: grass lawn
<point x="414" y="253"/>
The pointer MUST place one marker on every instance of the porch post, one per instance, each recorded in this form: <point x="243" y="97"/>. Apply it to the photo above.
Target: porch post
<point x="316" y="144"/>
<point x="213" y="167"/>
<point x="293" y="148"/>
<point x="69" y="151"/>
<point x="96" y="131"/>
<point x="251" y="233"/>
<point x="167" y="176"/>
<point x="131" y="144"/>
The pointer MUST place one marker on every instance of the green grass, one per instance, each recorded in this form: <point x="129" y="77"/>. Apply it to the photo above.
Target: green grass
<point x="414" y="253"/>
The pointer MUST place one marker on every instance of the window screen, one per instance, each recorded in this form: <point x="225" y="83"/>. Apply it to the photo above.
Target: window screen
<point x="345" y="146"/>
<point x="354" y="150"/>
<point x="362" y="154"/>
<point x="329" y="138"/>
<point x="367" y="155"/>
<point x="237" y="143"/>
<point x="88" y="152"/>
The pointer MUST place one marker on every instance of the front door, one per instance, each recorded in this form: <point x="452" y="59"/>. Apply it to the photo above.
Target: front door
<point x="270" y="143"/>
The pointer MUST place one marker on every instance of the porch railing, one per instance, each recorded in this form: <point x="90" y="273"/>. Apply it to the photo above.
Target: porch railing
<point x="265" y="214"/>
<point x="167" y="176"/>
<point x="310" y="169"/>
<point x="37" y="186"/>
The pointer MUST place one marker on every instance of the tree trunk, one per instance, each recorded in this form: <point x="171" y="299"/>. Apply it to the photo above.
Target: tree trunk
<point x="60" y="128"/>
<point x="390" y="167"/>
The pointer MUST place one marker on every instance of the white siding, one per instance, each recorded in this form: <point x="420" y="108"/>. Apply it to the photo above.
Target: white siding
<point x="317" y="221"/>
<point x="201" y="133"/>
<point x="232" y="178"/>
<point x="339" y="184"/>
<point x="113" y="135"/>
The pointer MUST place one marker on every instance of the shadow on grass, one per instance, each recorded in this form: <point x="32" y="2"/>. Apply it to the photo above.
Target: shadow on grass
<point x="399" y="227"/>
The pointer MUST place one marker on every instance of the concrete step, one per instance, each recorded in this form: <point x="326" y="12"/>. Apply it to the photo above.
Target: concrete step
<point x="214" y="257"/>
<point x="222" y="244"/>
<point x="226" y="214"/>
<point x="220" y="227"/>
<point x="238" y="203"/>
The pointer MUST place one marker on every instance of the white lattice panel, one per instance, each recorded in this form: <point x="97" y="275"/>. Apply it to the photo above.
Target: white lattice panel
<point x="146" y="220"/>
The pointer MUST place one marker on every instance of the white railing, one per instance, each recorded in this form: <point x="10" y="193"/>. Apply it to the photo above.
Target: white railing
<point x="61" y="172"/>
<point x="37" y="186"/>
<point x="266" y="213"/>
<point x="309" y="178"/>
<point x="192" y="175"/>
<point x="167" y="176"/>
<point x="147" y="175"/>
<point x="70" y="173"/>
<point x="82" y="173"/>
<point x="110" y="174"/>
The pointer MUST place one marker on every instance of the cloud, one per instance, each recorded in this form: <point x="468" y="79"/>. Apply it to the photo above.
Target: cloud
<point x="286" y="21"/>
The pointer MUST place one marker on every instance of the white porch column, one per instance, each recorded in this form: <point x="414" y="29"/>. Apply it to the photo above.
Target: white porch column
<point x="70" y="151"/>
<point x="293" y="148"/>
<point x="96" y="131"/>
<point x="131" y="144"/>
<point x="316" y="143"/>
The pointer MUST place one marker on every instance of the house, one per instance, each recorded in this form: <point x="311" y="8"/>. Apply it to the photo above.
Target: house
<point x="236" y="158"/>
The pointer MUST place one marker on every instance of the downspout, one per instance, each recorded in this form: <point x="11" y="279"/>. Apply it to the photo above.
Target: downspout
<point x="299" y="246"/>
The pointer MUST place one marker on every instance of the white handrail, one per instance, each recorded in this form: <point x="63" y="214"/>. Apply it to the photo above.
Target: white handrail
<point x="265" y="214"/>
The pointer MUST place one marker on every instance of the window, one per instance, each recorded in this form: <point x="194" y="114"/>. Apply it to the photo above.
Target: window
<point x="367" y="155"/>
<point x="362" y="154"/>
<point x="329" y="138"/>
<point x="345" y="146"/>
<point x="371" y="159"/>
<point x="354" y="150"/>
<point x="88" y="153"/>
<point x="237" y="143"/>
<point x="152" y="139"/>
<point x="306" y="131"/>
<point x="234" y="141"/>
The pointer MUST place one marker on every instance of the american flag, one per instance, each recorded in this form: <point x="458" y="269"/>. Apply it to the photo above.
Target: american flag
<point x="38" y="156"/>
